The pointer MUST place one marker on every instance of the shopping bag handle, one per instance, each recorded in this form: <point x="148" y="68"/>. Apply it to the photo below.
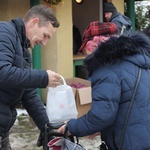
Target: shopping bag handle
<point x="64" y="82"/>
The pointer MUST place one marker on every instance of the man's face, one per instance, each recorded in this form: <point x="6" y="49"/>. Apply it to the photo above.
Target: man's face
<point x="39" y="34"/>
<point x="108" y="16"/>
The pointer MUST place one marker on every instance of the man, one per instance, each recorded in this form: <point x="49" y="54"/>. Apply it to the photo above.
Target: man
<point x="17" y="81"/>
<point x="123" y="22"/>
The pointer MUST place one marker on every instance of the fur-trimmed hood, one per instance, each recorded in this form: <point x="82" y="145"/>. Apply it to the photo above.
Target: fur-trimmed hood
<point x="134" y="48"/>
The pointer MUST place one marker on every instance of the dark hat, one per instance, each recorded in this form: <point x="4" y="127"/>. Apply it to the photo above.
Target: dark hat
<point x="109" y="7"/>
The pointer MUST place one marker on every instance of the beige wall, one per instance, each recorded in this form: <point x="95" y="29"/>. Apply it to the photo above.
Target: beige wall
<point x="13" y="8"/>
<point x="4" y="13"/>
<point x="119" y="5"/>
<point x="57" y="55"/>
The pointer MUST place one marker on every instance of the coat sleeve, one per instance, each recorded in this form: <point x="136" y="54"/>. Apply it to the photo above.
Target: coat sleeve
<point x="105" y="98"/>
<point x="35" y="107"/>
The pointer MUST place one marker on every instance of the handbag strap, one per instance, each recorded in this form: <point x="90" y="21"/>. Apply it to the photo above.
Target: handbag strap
<point x="71" y="137"/>
<point x="130" y="107"/>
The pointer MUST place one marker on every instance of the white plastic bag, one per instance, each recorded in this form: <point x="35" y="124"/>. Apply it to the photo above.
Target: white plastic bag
<point x="60" y="104"/>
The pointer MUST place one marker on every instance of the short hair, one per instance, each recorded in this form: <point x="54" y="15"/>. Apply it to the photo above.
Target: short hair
<point x="44" y="13"/>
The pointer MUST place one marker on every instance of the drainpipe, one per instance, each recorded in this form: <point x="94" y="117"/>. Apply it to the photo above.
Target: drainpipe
<point x="131" y="12"/>
<point x="36" y="51"/>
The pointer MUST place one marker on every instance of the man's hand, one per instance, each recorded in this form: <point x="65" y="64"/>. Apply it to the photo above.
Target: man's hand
<point x="54" y="79"/>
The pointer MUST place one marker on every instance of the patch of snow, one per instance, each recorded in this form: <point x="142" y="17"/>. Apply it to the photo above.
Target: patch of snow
<point x="21" y="111"/>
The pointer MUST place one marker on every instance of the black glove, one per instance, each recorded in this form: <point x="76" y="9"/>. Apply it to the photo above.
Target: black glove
<point x="48" y="134"/>
<point x="44" y="138"/>
<point x="41" y="139"/>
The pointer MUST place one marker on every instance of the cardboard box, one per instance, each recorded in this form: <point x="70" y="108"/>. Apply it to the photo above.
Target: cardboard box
<point x="82" y="95"/>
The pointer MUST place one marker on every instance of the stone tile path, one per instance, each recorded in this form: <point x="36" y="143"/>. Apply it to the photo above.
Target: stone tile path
<point x="24" y="135"/>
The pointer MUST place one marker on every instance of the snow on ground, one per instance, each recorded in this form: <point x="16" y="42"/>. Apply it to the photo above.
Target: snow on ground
<point x="21" y="111"/>
<point x="24" y="135"/>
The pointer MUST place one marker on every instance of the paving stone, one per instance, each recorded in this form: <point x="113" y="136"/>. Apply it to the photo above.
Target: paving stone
<point x="24" y="135"/>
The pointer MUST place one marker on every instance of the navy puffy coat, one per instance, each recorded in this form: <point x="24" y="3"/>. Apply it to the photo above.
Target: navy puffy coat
<point x="113" y="68"/>
<point x="17" y="80"/>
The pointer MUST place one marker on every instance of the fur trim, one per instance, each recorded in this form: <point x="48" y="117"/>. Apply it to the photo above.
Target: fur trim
<point x="116" y="48"/>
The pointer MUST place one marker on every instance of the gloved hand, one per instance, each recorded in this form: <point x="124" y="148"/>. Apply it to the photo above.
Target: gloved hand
<point x="41" y="138"/>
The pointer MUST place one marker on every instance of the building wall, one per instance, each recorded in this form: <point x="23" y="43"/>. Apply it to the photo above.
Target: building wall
<point x="119" y="6"/>
<point x="13" y="8"/>
<point x="57" y="54"/>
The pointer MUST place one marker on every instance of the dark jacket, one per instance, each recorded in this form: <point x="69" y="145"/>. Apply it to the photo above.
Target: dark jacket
<point x="113" y="68"/>
<point x="17" y="80"/>
<point x="123" y="22"/>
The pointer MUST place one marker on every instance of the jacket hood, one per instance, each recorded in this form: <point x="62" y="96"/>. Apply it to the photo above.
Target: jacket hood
<point x="134" y="48"/>
<point x="122" y="18"/>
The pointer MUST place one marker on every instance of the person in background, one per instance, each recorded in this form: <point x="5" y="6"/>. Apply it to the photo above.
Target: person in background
<point x="96" y="33"/>
<point x="123" y="22"/>
<point x="114" y="68"/>
<point x="18" y="82"/>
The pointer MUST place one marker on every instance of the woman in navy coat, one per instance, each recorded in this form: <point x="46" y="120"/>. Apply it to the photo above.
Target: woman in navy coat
<point x="114" y="68"/>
